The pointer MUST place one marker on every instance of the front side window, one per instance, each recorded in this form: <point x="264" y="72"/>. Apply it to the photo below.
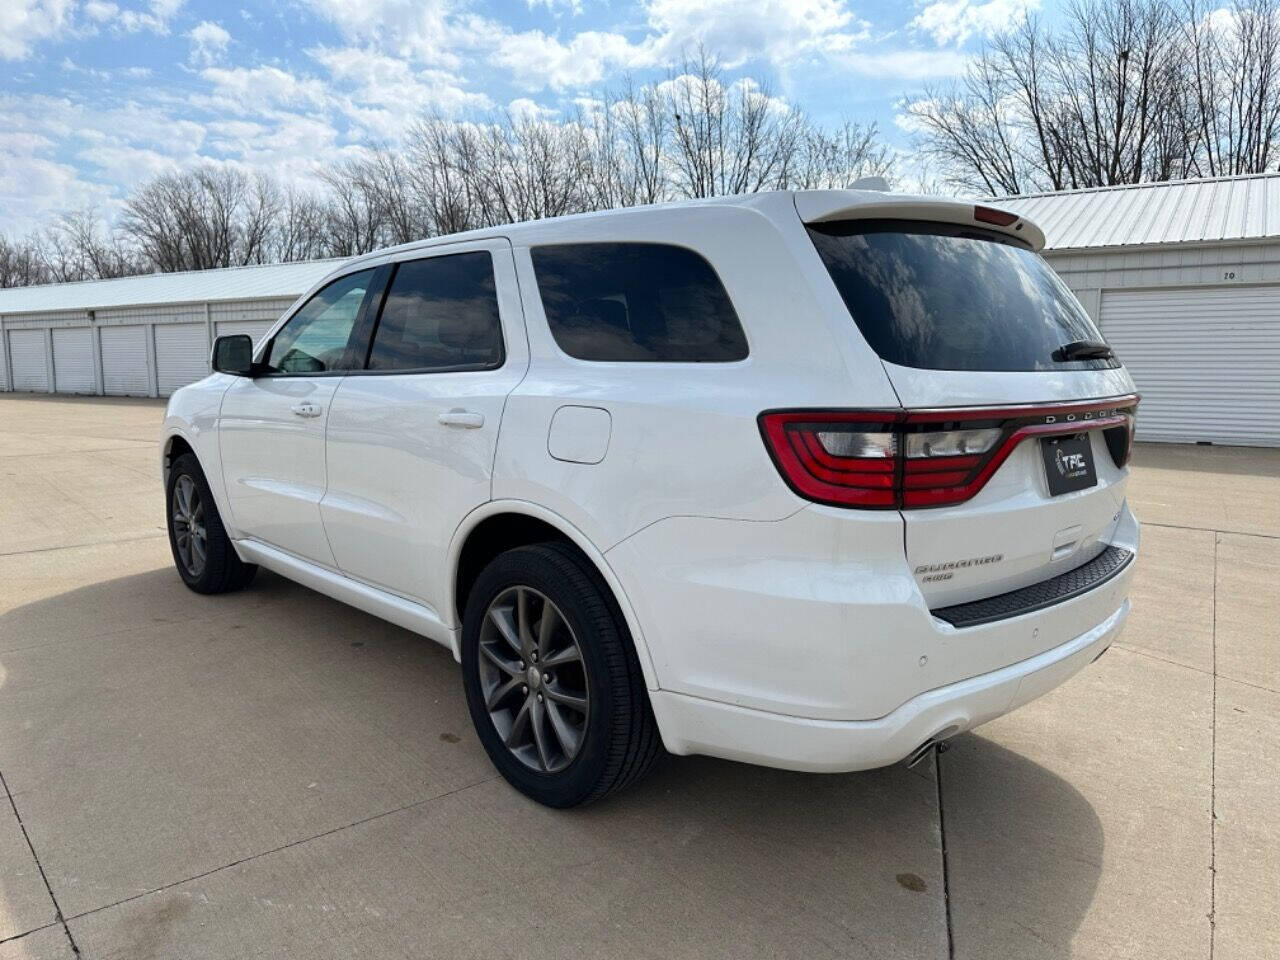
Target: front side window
<point x="951" y="297"/>
<point x="440" y="314"/>
<point x="316" y="337"/>
<point x="636" y="301"/>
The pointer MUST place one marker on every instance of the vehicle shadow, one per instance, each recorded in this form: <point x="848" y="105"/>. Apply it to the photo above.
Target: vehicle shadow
<point x="203" y="725"/>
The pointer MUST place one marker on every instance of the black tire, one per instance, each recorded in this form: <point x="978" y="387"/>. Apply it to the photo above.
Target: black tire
<point x="222" y="570"/>
<point x="620" y="742"/>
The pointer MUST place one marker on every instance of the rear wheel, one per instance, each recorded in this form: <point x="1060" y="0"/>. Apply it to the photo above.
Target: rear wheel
<point x="552" y="682"/>
<point x="202" y="551"/>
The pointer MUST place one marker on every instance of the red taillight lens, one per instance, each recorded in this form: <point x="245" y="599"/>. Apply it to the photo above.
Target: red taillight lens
<point x="928" y="458"/>
<point x="847" y="459"/>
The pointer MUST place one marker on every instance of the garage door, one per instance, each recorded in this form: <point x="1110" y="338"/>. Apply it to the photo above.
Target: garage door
<point x="124" y="361"/>
<point x="27" y="360"/>
<point x="73" y="361"/>
<point x="182" y="355"/>
<point x="254" y="328"/>
<point x="1206" y="360"/>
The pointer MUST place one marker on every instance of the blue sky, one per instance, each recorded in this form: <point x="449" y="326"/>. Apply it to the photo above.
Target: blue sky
<point x="98" y="95"/>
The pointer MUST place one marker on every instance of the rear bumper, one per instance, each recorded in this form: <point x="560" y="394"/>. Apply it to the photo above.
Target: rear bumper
<point x="692" y="724"/>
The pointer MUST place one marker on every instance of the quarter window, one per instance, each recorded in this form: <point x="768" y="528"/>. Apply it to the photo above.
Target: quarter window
<point x="440" y="314"/>
<point x="315" y="339"/>
<point x="636" y="301"/>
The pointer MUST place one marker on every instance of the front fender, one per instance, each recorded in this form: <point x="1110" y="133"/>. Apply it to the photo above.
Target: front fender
<point x="192" y="414"/>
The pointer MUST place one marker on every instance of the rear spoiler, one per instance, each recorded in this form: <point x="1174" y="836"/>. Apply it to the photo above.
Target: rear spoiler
<point x="817" y="206"/>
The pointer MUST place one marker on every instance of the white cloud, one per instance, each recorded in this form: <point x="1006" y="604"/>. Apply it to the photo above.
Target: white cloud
<point x="446" y="35"/>
<point x="63" y="155"/>
<point x="154" y="17"/>
<point x="100" y="10"/>
<point x="537" y="60"/>
<point x="955" y="21"/>
<point x="208" y="41"/>
<point x="554" y="7"/>
<point x="744" y="30"/>
<point x="369" y="77"/>
<point x="428" y="30"/>
<point x="522" y="108"/>
<point x="907" y="64"/>
<point x="24" y="23"/>
<point x="255" y="88"/>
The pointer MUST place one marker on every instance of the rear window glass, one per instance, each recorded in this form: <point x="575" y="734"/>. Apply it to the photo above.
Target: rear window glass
<point x="636" y="301"/>
<point x="946" y="297"/>
<point x="440" y="314"/>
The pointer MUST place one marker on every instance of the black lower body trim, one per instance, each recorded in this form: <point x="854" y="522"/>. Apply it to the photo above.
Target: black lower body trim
<point x="1046" y="593"/>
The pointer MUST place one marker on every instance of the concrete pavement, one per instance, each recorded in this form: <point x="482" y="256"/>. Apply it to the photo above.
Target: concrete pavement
<point x="272" y="774"/>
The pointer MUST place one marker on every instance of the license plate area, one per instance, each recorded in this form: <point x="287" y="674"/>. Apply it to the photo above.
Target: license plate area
<point x="1068" y="463"/>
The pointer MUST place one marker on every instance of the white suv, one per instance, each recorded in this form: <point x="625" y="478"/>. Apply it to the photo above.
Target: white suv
<point x="810" y="480"/>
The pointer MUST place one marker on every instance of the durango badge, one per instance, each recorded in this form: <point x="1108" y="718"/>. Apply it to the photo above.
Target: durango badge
<point x="935" y="572"/>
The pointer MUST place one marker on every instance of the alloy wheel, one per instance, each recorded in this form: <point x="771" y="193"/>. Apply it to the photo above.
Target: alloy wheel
<point x="189" y="532"/>
<point x="533" y="679"/>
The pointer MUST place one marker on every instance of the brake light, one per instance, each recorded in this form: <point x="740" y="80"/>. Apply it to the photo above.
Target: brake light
<point x="904" y="459"/>
<point x="845" y="458"/>
<point x="999" y="217"/>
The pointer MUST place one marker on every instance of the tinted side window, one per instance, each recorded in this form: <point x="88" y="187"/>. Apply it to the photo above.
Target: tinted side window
<point x="315" y="338"/>
<point x="636" y="301"/>
<point x="440" y="314"/>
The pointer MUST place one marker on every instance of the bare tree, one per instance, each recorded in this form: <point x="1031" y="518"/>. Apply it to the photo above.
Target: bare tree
<point x="298" y="231"/>
<point x="1118" y="92"/>
<point x="830" y="160"/>
<point x="645" y="128"/>
<point x="87" y="251"/>
<point x="207" y="217"/>
<point x="352" y="212"/>
<point x="1235" y="90"/>
<point x="21" y="263"/>
<point x="727" y="138"/>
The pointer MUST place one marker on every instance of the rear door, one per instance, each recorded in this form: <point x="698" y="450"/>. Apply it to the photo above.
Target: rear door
<point x="411" y="438"/>
<point x="1009" y="477"/>
<point x="271" y="429"/>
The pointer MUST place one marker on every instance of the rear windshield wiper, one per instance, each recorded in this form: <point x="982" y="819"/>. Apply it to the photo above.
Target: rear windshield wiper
<point x="1083" y="350"/>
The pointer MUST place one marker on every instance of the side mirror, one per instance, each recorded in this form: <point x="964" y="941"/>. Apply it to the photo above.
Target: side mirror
<point x="234" y="355"/>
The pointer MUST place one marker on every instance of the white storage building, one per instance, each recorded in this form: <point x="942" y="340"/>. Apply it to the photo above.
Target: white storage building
<point x="1183" y="278"/>
<point x="138" y="336"/>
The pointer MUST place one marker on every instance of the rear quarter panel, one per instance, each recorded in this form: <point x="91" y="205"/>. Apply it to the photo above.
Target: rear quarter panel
<point x="684" y="439"/>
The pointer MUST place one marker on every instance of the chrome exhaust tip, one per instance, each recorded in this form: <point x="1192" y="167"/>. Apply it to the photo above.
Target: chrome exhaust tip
<point x="932" y="745"/>
<point x="919" y="753"/>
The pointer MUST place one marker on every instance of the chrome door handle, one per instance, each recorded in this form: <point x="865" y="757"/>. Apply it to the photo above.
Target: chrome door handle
<point x="306" y="409"/>
<point x="457" y="417"/>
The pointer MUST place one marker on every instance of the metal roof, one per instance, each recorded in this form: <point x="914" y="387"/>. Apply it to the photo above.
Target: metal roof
<point x="276" y="280"/>
<point x="1176" y="211"/>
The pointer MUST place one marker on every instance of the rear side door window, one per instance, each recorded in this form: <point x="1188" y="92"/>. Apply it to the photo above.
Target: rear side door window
<point x="440" y="314"/>
<point x="637" y="302"/>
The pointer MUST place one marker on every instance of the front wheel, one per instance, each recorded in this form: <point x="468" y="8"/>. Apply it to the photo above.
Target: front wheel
<point x="202" y="551"/>
<point x="552" y="682"/>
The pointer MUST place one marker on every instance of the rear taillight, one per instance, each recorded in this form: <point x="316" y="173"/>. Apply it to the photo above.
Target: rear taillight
<point x="848" y="459"/>
<point x="903" y="459"/>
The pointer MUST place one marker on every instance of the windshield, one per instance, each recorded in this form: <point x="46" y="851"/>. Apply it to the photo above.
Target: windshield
<point x="952" y="297"/>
